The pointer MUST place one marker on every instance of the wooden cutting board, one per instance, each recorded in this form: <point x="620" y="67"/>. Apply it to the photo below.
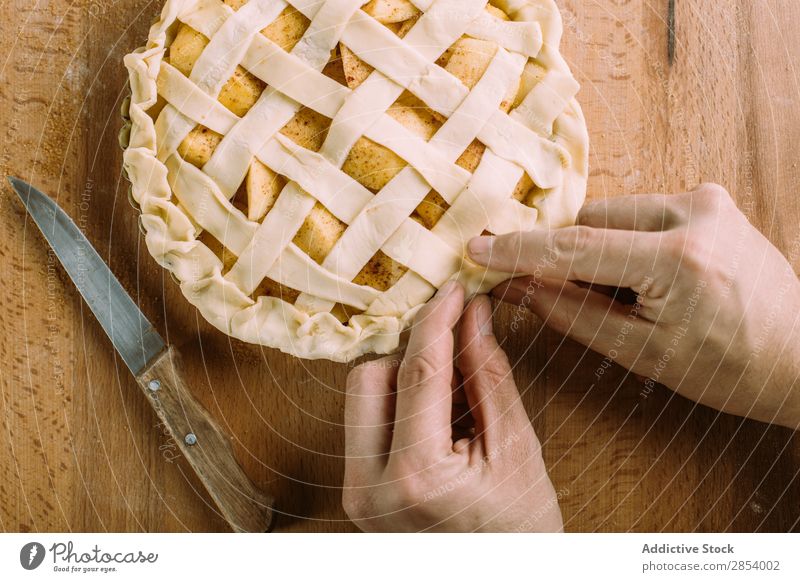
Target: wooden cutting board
<point x="80" y="448"/>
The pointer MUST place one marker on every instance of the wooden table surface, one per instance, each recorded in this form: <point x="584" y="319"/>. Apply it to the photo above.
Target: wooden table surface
<point x="80" y="449"/>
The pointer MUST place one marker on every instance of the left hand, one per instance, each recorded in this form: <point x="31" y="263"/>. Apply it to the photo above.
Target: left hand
<point x="427" y="452"/>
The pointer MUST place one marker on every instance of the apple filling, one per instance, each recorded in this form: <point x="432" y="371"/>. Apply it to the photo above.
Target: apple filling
<point x="369" y="163"/>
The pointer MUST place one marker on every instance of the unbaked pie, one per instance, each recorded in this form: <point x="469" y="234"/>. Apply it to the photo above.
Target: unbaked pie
<point x="311" y="171"/>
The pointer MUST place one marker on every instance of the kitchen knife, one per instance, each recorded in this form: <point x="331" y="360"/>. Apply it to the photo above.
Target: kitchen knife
<point x="155" y="365"/>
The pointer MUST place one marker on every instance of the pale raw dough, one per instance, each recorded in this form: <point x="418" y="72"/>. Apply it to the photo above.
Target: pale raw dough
<point x="312" y="171"/>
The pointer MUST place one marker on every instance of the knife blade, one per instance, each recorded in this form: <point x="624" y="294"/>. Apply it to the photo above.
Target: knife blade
<point x="134" y="338"/>
<point x="156" y="366"/>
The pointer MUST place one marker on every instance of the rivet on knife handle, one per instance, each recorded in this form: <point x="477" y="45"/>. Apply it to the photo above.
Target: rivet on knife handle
<point x="205" y="446"/>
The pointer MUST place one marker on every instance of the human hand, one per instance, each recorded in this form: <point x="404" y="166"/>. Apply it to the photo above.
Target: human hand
<point x="431" y="448"/>
<point x="718" y="314"/>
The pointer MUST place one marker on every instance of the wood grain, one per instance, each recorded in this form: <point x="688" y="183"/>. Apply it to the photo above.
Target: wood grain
<point x="199" y="439"/>
<point x="80" y="448"/>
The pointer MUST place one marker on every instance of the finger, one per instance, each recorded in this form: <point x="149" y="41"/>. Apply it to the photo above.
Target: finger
<point x="513" y="290"/>
<point x="488" y="381"/>
<point x="643" y="212"/>
<point x="590" y="318"/>
<point x="425" y="378"/>
<point x="369" y="414"/>
<point x="509" y="291"/>
<point x="606" y="257"/>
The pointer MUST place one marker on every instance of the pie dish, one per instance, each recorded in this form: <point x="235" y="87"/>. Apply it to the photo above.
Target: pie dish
<point x="311" y="171"/>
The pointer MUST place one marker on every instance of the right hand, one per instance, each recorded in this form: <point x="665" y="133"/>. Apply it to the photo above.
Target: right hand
<point x="718" y="313"/>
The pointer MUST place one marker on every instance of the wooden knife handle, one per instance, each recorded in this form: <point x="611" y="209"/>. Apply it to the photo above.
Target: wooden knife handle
<point x="205" y="446"/>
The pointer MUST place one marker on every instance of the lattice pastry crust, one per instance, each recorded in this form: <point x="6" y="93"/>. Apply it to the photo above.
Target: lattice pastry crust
<point x="311" y="171"/>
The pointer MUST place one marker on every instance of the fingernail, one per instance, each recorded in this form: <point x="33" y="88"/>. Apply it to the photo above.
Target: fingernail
<point x="480" y="248"/>
<point x="485" y="317"/>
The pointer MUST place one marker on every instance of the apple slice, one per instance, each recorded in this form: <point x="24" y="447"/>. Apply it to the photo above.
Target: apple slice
<point x="263" y="188"/>
<point x="391" y="11"/>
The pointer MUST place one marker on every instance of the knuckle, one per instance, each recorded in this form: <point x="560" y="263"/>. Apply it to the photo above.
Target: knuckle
<point x="712" y="197"/>
<point x="573" y="241"/>
<point x="584" y="239"/>
<point x="676" y="246"/>
<point x="695" y="254"/>
<point x="713" y="190"/>
<point x="416" y="370"/>
<point x="496" y="369"/>
<point x="689" y="252"/>
<point x="559" y="243"/>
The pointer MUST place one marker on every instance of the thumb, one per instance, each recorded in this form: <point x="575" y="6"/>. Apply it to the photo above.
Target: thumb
<point x="488" y="382"/>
